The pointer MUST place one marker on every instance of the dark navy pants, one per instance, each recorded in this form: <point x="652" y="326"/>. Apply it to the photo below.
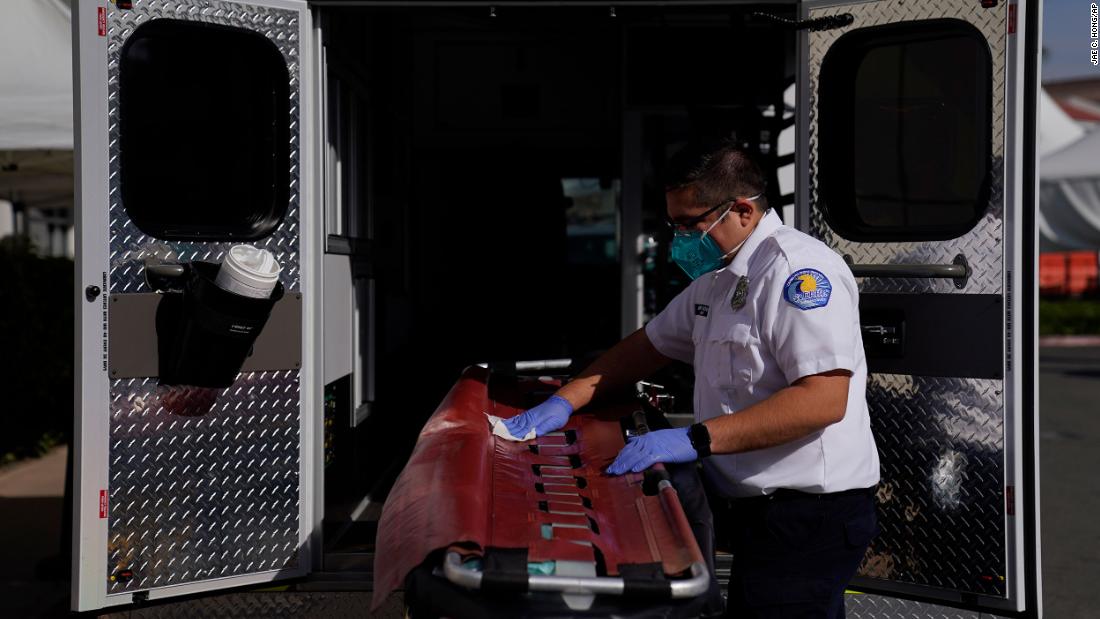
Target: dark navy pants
<point x="794" y="553"/>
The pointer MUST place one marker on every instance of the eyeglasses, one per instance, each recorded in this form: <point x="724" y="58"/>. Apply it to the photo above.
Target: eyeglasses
<point x="690" y="223"/>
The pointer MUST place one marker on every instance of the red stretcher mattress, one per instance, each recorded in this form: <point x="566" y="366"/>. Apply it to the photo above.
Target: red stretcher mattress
<point x="465" y="489"/>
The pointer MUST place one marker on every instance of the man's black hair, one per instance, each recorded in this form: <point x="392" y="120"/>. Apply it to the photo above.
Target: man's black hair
<point x="718" y="170"/>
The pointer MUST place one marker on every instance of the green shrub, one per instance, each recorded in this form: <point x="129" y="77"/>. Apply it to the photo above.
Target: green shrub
<point x="36" y="371"/>
<point x="1069" y="317"/>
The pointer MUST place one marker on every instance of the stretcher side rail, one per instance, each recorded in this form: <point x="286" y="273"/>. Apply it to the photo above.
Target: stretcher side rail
<point x="691" y="587"/>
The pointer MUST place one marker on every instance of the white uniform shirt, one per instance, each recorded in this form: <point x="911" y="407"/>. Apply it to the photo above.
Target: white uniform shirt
<point x="800" y="317"/>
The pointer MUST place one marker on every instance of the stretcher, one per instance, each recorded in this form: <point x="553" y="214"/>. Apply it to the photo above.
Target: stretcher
<point x="477" y="525"/>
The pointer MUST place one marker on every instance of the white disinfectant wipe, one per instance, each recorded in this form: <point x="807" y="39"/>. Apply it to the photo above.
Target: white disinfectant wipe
<point x="249" y="271"/>
<point x="496" y="424"/>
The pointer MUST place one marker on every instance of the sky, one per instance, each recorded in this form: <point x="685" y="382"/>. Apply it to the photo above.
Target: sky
<point x="1066" y="40"/>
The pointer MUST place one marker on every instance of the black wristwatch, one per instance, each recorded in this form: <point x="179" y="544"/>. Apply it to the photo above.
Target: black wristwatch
<point x="700" y="439"/>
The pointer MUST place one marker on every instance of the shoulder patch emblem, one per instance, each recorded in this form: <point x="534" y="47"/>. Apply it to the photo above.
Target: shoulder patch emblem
<point x="807" y="289"/>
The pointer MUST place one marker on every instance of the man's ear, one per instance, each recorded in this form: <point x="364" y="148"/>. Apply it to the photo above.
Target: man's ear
<point x="745" y="210"/>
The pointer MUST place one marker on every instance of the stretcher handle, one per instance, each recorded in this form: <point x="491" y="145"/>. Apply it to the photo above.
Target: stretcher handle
<point x="674" y="511"/>
<point x="694" y="586"/>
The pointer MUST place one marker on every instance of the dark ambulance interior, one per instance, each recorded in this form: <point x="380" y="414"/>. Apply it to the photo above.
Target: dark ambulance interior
<point x="492" y="149"/>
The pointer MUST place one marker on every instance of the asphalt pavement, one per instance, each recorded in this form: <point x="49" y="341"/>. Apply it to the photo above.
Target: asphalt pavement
<point x="1069" y="424"/>
<point x="33" y="574"/>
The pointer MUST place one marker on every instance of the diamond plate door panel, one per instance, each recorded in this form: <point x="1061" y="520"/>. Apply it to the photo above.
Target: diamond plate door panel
<point x="203" y="483"/>
<point x="941" y="521"/>
<point x="204" y="496"/>
<point x="982" y="246"/>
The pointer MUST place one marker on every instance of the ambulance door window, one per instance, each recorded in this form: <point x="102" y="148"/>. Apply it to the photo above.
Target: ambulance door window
<point x="905" y="118"/>
<point x="204" y="122"/>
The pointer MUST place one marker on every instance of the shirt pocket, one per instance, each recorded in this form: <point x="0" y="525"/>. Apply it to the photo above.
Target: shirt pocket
<point x="729" y="357"/>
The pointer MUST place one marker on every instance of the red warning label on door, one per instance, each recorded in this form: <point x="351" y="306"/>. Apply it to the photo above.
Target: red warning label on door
<point x="102" y="21"/>
<point x="102" y="503"/>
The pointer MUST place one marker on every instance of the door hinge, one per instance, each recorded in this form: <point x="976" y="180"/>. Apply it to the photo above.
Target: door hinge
<point x="817" y="24"/>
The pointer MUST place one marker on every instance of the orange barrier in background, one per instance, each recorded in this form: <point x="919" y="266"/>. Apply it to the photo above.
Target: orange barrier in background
<point x="1082" y="273"/>
<point x="1053" y="273"/>
<point x="1074" y="273"/>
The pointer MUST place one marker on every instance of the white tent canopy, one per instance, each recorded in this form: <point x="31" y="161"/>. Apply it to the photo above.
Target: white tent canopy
<point x="1069" y="181"/>
<point x="1069" y="195"/>
<point x="36" y="84"/>
<point x="36" y="122"/>
<point x="1056" y="129"/>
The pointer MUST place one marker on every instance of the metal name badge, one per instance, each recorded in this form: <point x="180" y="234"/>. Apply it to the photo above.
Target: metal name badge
<point x="740" y="294"/>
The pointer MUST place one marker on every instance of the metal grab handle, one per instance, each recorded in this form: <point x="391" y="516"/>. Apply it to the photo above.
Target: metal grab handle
<point x="928" y="271"/>
<point x="958" y="270"/>
<point x="162" y="276"/>
<point x="166" y="270"/>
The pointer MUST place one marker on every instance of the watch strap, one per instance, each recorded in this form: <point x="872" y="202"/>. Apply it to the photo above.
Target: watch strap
<point x="700" y="439"/>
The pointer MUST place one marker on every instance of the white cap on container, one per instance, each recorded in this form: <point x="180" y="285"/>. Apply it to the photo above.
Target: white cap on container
<point x="248" y="271"/>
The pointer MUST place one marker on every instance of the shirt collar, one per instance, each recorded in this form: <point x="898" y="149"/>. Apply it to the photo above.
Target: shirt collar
<point x="766" y="227"/>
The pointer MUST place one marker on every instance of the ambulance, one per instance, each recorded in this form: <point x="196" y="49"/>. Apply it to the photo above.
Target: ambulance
<point x="444" y="183"/>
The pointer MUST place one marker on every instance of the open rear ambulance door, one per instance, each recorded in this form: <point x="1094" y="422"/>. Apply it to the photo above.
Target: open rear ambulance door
<point x="193" y="132"/>
<point x="917" y="163"/>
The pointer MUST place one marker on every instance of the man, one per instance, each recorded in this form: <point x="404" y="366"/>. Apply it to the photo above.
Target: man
<point x="771" y="325"/>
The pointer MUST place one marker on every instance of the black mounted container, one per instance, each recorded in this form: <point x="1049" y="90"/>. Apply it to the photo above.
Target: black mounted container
<point x="204" y="334"/>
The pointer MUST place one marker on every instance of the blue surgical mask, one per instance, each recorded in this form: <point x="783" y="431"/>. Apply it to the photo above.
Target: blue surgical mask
<point x="696" y="252"/>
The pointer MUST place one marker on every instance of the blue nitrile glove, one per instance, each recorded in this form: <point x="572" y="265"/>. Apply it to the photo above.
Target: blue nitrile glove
<point x="545" y="418"/>
<point x="644" y="451"/>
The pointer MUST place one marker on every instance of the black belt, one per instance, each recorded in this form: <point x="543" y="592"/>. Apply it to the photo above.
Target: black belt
<point x="787" y="494"/>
